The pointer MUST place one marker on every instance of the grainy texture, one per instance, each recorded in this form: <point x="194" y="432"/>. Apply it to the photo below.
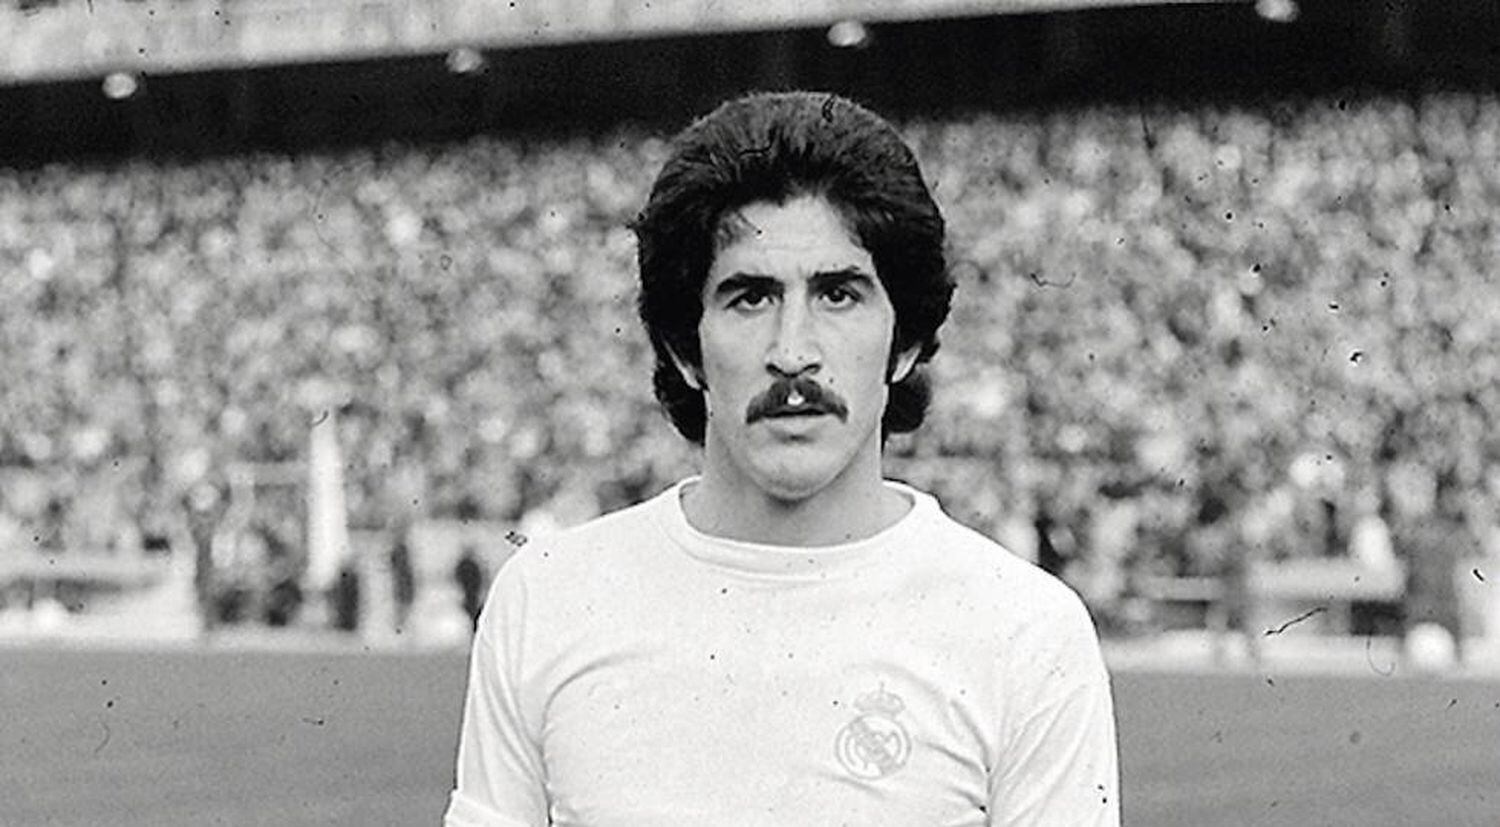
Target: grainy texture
<point x="141" y="738"/>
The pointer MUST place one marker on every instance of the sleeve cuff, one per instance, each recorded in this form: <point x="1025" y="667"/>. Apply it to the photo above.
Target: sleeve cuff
<point x="466" y="812"/>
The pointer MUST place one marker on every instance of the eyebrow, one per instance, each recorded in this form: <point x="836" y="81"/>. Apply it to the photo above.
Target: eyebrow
<point x="821" y="280"/>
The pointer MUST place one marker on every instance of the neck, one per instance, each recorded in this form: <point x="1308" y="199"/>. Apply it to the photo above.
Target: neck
<point x="855" y="505"/>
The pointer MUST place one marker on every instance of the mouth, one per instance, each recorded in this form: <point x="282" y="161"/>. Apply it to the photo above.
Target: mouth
<point x="795" y="425"/>
<point x="796" y="413"/>
<point x="794" y="418"/>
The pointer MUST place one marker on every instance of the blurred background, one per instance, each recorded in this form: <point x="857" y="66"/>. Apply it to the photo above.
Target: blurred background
<point x="309" y="305"/>
<point x="313" y="311"/>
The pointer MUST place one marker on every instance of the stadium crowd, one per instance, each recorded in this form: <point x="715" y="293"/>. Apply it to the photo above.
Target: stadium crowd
<point x="1181" y="336"/>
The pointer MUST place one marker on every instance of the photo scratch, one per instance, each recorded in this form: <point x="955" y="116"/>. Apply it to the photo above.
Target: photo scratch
<point x="1294" y="621"/>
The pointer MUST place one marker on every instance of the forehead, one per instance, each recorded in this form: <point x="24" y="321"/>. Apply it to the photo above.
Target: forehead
<point x="806" y="233"/>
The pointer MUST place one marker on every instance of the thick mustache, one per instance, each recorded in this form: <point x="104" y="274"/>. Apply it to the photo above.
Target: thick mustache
<point x="814" y="398"/>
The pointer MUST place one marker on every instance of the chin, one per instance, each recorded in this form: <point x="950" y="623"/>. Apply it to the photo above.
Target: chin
<point x="797" y="478"/>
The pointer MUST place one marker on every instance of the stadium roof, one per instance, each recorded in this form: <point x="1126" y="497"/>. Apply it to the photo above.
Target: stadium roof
<point x="84" y="38"/>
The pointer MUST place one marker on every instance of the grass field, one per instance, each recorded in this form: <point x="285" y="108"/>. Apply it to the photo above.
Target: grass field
<point x="255" y="738"/>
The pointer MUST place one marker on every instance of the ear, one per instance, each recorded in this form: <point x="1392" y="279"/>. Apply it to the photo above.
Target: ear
<point x="691" y="374"/>
<point x="902" y="365"/>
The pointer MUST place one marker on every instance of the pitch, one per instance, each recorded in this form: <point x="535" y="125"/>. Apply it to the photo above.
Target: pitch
<point x="200" y="737"/>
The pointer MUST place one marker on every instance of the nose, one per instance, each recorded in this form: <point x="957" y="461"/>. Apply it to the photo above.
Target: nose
<point x="795" y="349"/>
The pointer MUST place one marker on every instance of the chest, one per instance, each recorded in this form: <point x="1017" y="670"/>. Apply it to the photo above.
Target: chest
<point x="769" y="711"/>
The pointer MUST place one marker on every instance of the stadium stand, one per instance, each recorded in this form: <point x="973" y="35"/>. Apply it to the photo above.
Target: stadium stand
<point x="56" y="39"/>
<point x="1152" y="306"/>
<point x="1189" y="335"/>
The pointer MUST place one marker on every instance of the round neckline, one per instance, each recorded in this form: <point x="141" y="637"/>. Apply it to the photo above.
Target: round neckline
<point x="784" y="562"/>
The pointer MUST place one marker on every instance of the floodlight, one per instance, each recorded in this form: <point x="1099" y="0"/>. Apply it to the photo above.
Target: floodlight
<point x="465" y="61"/>
<point x="848" y="34"/>
<point x="1277" y="11"/>
<point x="120" y="85"/>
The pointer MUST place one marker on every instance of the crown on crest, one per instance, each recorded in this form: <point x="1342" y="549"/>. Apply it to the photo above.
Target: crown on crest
<point x="880" y="701"/>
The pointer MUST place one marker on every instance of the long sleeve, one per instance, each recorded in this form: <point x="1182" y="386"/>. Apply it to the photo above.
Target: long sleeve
<point x="1060" y="766"/>
<point x="500" y="780"/>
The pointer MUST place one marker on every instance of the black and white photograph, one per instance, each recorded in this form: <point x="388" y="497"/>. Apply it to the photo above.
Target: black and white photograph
<point x="877" y="413"/>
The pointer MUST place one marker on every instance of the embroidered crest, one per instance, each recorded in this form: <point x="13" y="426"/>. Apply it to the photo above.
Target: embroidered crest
<point x="874" y="744"/>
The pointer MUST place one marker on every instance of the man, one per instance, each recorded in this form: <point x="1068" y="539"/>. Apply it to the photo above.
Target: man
<point x="787" y="639"/>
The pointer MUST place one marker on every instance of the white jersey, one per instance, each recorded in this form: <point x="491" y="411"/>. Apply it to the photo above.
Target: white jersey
<point x="635" y="672"/>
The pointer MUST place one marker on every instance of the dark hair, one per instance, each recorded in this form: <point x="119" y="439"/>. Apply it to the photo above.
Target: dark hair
<point x="773" y="147"/>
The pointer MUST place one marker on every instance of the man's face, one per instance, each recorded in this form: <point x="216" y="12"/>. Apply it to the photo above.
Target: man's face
<point x="796" y="338"/>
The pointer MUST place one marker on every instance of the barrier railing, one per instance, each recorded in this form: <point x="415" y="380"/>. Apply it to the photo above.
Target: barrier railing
<point x="76" y="39"/>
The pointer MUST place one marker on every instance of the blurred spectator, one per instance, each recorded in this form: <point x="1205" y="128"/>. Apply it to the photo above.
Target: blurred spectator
<point x="345" y="598"/>
<point x="1425" y="527"/>
<point x="470" y="579"/>
<point x="1047" y="554"/>
<point x="403" y="580"/>
<point x="284" y="596"/>
<point x="1277" y="282"/>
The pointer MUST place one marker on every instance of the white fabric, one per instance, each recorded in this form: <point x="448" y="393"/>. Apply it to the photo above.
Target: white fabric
<point x="634" y="671"/>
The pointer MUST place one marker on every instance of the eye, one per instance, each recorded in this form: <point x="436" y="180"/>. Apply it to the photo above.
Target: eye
<point x="750" y="299"/>
<point x="840" y="296"/>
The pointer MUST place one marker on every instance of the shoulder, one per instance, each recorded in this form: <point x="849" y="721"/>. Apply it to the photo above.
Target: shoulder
<point x="1016" y="593"/>
<point x="1035" y="624"/>
<point x="568" y="556"/>
<point x="955" y="546"/>
<point x="590" y="579"/>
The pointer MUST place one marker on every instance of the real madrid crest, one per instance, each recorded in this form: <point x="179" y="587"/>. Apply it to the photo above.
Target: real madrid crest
<point x="874" y="744"/>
